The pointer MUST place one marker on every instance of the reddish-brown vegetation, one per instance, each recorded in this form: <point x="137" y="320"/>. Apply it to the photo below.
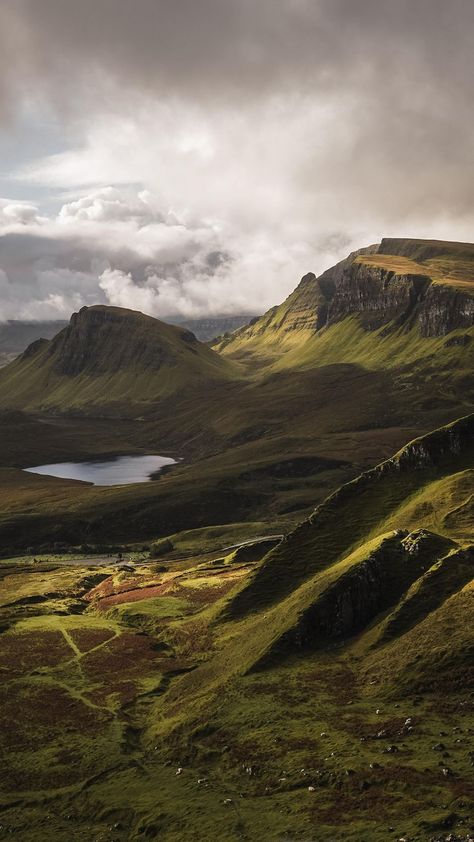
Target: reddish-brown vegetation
<point x="87" y="639"/>
<point x="27" y="651"/>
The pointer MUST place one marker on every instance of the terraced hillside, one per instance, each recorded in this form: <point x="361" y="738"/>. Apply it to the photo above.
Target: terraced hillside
<point x="320" y="689"/>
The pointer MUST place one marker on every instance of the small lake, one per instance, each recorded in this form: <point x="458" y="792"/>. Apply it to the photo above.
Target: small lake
<point x="120" y="470"/>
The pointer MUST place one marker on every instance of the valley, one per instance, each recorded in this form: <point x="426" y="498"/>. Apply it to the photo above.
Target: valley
<point x="275" y="639"/>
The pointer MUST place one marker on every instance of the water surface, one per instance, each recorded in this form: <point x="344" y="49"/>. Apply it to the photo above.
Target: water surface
<point x="120" y="470"/>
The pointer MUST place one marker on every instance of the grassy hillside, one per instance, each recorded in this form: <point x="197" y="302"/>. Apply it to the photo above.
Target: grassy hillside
<point x="323" y="690"/>
<point x="112" y="358"/>
<point x="352" y="366"/>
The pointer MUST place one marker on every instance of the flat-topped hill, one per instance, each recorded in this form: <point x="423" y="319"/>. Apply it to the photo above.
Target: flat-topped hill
<point x="424" y="288"/>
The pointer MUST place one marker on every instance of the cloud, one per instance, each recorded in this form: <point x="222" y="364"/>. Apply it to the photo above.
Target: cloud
<point x="18" y="213"/>
<point x="117" y="247"/>
<point x="279" y="134"/>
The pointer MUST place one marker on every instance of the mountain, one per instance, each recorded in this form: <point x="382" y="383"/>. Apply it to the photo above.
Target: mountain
<point x="425" y="486"/>
<point x="15" y="335"/>
<point x="288" y="652"/>
<point x="112" y="356"/>
<point x="415" y="288"/>
<point x="342" y="660"/>
<point x="266" y="424"/>
<point x="209" y="328"/>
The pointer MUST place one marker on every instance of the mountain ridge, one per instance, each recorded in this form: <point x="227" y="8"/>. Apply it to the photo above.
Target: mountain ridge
<point x="383" y="290"/>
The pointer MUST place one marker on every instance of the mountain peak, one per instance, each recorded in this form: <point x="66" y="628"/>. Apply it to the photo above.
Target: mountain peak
<point x="103" y="339"/>
<point x="111" y="355"/>
<point x="395" y="284"/>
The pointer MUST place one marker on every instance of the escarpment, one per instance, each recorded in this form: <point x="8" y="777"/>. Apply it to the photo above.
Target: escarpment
<point x="394" y="291"/>
<point x="356" y="509"/>
<point x="396" y="284"/>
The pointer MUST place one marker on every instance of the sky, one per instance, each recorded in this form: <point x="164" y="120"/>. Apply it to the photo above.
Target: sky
<point x="197" y="157"/>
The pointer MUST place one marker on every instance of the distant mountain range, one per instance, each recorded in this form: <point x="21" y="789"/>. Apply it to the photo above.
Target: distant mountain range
<point x="16" y="335"/>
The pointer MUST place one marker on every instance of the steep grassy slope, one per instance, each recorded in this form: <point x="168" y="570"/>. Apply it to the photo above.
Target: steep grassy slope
<point x="109" y="357"/>
<point x="363" y="507"/>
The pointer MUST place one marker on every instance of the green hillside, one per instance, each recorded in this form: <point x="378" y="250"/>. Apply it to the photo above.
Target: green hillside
<point x="321" y="690"/>
<point x="353" y="365"/>
<point x="109" y="357"/>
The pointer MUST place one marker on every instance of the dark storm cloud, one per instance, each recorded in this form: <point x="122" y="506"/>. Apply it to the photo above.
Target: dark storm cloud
<point x="404" y="70"/>
<point x="215" y="48"/>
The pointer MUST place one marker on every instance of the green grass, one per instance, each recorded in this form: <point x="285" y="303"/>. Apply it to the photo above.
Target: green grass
<point x="152" y="685"/>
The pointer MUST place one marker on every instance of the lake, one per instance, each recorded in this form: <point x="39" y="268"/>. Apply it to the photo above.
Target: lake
<point x="119" y="470"/>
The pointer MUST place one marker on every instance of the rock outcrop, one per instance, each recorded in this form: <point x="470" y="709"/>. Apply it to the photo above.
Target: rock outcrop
<point x="394" y="284"/>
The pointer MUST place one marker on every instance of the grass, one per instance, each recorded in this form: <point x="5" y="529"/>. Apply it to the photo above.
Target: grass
<point x="90" y="359"/>
<point x="152" y="685"/>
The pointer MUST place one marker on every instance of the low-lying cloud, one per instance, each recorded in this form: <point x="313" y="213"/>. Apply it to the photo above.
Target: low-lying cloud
<point x="118" y="248"/>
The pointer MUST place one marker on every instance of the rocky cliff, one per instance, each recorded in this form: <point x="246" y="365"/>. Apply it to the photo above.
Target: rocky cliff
<point x="354" y="511"/>
<point x="393" y="284"/>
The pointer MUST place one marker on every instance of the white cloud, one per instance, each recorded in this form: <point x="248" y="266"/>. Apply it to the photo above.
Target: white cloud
<point x="18" y="213"/>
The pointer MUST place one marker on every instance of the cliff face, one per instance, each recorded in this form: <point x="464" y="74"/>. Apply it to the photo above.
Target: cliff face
<point x="376" y="295"/>
<point x="394" y="290"/>
<point x="369" y="588"/>
<point x="396" y="283"/>
<point x="444" y="309"/>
